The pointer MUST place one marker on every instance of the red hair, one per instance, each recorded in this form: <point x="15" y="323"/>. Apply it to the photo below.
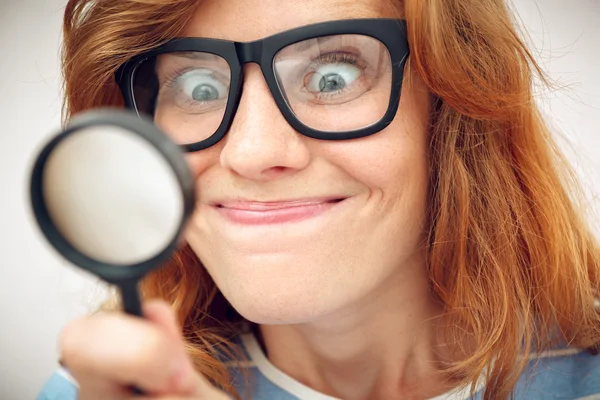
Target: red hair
<point x="509" y="252"/>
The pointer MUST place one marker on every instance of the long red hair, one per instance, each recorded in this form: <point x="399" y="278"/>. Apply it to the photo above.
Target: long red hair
<point x="510" y="254"/>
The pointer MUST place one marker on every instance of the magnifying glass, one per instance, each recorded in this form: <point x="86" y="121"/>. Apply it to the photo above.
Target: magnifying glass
<point x="112" y="194"/>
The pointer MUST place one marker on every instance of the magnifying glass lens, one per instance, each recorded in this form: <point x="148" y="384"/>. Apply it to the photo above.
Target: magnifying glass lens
<point x="112" y="195"/>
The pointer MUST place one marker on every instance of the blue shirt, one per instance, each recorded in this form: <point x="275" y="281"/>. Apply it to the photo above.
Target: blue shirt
<point x="554" y="374"/>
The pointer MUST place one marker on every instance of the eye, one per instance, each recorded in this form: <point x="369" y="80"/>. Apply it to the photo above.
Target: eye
<point x="332" y="78"/>
<point x="202" y="86"/>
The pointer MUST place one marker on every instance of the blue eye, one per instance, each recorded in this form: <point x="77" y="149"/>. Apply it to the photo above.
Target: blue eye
<point x="205" y="93"/>
<point x="202" y="86"/>
<point x="332" y="78"/>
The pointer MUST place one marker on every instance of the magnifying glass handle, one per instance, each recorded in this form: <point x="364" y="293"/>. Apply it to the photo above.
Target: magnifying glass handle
<point x="131" y="298"/>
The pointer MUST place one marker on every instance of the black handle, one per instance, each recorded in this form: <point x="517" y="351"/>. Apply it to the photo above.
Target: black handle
<point x="131" y="298"/>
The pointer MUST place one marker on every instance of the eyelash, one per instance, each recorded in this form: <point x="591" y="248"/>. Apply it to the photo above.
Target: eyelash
<point x="173" y="76"/>
<point x="341" y="57"/>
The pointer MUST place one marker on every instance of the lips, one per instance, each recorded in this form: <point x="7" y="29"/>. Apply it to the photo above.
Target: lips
<point x="246" y="212"/>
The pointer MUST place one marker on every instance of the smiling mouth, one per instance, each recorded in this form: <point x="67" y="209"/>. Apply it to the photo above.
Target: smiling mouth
<point x="264" y="213"/>
<point x="274" y="205"/>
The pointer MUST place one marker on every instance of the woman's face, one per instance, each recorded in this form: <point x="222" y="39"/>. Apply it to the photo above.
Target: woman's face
<point x="268" y="225"/>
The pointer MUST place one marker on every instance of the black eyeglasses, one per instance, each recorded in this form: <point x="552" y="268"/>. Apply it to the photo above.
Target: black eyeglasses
<point x="335" y="80"/>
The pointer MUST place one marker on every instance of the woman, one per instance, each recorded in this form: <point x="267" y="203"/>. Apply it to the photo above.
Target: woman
<point x="382" y="213"/>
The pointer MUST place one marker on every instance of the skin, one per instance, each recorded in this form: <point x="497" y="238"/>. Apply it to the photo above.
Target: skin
<point x="342" y="300"/>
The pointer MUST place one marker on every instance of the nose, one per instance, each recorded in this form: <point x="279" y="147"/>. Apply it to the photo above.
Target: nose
<point x="260" y="144"/>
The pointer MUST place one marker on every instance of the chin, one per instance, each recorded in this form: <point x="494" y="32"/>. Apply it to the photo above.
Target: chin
<point x="290" y="287"/>
<point x="277" y="308"/>
<point x="290" y="301"/>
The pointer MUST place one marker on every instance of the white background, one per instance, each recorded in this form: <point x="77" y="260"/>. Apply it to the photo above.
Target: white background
<point x="39" y="293"/>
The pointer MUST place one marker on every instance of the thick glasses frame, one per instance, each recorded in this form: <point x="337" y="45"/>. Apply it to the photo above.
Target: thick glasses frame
<point x="390" y="32"/>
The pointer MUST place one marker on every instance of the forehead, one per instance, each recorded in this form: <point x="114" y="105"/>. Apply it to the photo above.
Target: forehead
<point x="248" y="20"/>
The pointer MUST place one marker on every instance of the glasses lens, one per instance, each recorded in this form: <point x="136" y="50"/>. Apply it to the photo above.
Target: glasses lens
<point x="185" y="92"/>
<point x="338" y="83"/>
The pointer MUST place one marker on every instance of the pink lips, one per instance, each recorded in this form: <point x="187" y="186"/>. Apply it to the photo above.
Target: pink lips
<point x="263" y="213"/>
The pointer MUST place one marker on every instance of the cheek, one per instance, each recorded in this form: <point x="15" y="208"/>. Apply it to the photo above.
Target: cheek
<point x="200" y="161"/>
<point x="393" y="164"/>
<point x="397" y="158"/>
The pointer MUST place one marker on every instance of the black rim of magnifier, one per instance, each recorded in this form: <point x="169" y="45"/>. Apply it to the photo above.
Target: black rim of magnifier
<point x="113" y="273"/>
